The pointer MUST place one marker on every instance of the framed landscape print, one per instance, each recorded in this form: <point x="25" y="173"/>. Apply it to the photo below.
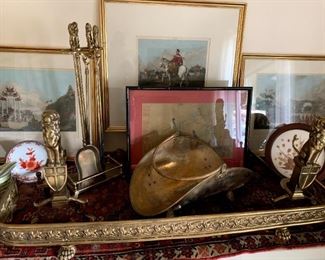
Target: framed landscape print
<point x="286" y="89"/>
<point x="217" y="116"/>
<point x="161" y="44"/>
<point x="32" y="81"/>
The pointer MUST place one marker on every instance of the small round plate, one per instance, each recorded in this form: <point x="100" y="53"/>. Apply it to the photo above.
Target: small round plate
<point x="30" y="157"/>
<point x="279" y="151"/>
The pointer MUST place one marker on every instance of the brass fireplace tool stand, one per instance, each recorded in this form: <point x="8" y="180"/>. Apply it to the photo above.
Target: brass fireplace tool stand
<point x="55" y="171"/>
<point x="90" y="162"/>
<point x="306" y="166"/>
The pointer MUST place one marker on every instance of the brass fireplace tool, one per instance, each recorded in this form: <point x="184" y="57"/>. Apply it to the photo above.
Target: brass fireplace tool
<point x="55" y="171"/>
<point x="306" y="166"/>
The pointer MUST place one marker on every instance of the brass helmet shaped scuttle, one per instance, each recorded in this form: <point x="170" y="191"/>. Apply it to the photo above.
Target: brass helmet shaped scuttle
<point x="169" y="173"/>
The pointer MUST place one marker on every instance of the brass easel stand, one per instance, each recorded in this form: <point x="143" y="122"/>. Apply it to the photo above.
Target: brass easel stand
<point x="55" y="172"/>
<point x="306" y="166"/>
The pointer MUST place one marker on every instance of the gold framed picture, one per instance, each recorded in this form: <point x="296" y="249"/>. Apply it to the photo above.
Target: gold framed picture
<point x="31" y="81"/>
<point x="286" y="89"/>
<point x="139" y="40"/>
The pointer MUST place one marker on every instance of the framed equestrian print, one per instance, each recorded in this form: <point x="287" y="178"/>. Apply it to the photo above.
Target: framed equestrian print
<point x="154" y="43"/>
<point x="174" y="69"/>
<point x="31" y="81"/>
<point x="217" y="116"/>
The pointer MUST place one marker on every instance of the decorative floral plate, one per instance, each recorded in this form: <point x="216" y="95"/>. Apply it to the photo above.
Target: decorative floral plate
<point x="30" y="157"/>
<point x="279" y="151"/>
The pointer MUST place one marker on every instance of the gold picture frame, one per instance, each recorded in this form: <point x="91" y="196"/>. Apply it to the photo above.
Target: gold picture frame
<point x="286" y="89"/>
<point x="40" y="76"/>
<point x="124" y="41"/>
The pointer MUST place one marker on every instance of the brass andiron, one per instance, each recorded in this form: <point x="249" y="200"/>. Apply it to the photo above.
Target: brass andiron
<point x="306" y="166"/>
<point x="55" y="171"/>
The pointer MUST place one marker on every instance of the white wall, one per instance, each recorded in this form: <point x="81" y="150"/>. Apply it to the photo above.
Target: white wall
<point x="281" y="26"/>
<point x="285" y="26"/>
<point x="272" y="26"/>
<point x="44" y="23"/>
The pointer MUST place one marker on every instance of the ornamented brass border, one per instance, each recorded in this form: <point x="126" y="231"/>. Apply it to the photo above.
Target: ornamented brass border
<point x="199" y="3"/>
<point x="157" y="229"/>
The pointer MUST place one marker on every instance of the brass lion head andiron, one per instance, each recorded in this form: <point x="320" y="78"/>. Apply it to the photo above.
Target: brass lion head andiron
<point x="306" y="166"/>
<point x="55" y="171"/>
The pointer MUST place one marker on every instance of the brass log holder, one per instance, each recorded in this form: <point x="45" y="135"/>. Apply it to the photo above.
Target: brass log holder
<point x="306" y="167"/>
<point x="92" y="167"/>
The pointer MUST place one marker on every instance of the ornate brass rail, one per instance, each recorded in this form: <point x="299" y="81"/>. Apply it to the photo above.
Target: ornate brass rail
<point x="157" y="229"/>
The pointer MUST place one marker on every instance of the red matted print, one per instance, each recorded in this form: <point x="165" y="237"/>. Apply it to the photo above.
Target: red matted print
<point x="218" y="116"/>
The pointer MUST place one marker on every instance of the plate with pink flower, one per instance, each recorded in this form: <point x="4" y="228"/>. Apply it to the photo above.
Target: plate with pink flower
<point x="30" y="157"/>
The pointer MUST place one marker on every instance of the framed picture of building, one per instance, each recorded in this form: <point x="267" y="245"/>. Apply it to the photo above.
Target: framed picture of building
<point x="31" y="81"/>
